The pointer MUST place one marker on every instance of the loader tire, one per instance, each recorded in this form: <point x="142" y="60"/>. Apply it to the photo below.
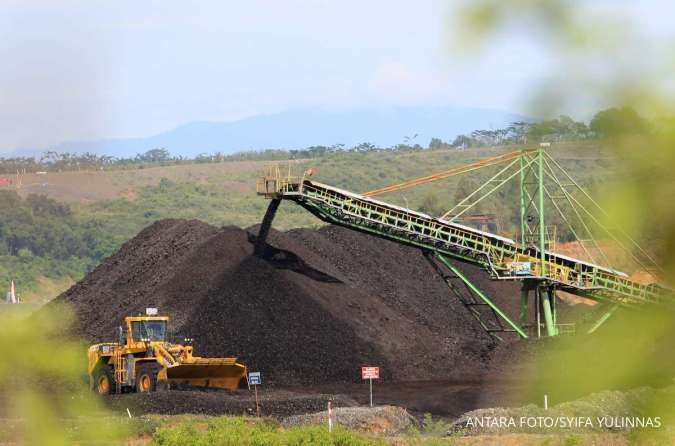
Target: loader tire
<point x="103" y="382"/>
<point x="146" y="378"/>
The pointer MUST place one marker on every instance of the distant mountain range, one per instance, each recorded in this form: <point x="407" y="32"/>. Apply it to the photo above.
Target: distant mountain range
<point x="300" y="129"/>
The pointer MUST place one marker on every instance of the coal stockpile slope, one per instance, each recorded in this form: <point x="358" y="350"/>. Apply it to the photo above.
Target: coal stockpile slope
<point x="321" y="304"/>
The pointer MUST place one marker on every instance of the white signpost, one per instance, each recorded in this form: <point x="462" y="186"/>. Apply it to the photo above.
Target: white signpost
<point x="254" y="379"/>
<point x="11" y="295"/>
<point x="370" y="373"/>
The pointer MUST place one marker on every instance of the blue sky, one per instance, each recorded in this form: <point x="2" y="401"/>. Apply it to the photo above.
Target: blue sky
<point x="86" y="69"/>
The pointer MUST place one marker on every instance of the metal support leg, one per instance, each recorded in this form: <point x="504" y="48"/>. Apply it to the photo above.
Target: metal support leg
<point x="524" y="294"/>
<point x="548" y="314"/>
<point x="483" y="297"/>
<point x="542" y="225"/>
<point x="554" y="305"/>
<point x="523" y="204"/>
<point x="537" y="305"/>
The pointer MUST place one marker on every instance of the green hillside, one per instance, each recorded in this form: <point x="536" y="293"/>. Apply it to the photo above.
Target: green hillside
<point x="47" y="242"/>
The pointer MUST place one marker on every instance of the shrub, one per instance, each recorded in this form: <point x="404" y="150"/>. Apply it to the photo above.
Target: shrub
<point x="236" y="431"/>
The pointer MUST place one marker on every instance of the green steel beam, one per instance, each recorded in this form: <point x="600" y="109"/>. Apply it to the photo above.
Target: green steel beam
<point x="494" y="179"/>
<point x="468" y="305"/>
<point x="569" y="224"/>
<point x="603" y="319"/>
<point x="545" y="299"/>
<point x="542" y="226"/>
<point x="480" y="294"/>
<point x="623" y="233"/>
<point x="524" y="295"/>
<point x="491" y="252"/>
<point x="571" y="202"/>
<point x="318" y="211"/>
<point x="607" y="231"/>
<point x="522" y="199"/>
<point x="453" y="240"/>
<point x="553" y="308"/>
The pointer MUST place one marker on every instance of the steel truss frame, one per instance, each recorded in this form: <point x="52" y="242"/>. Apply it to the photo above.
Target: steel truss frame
<point x="447" y="239"/>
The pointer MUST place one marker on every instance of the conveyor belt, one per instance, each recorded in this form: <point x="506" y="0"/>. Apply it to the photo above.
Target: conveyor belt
<point x="502" y="257"/>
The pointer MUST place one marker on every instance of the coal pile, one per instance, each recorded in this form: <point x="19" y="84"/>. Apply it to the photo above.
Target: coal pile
<point x="318" y="307"/>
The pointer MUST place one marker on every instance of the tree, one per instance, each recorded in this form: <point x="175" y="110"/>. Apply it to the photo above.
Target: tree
<point x="464" y="141"/>
<point x="437" y="143"/>
<point x="364" y="147"/>
<point x="154" y="155"/>
<point x="614" y="122"/>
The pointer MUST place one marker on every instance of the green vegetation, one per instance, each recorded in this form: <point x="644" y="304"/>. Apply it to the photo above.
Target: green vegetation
<point x="437" y="427"/>
<point x="40" y="226"/>
<point x="40" y="237"/>
<point x="563" y="128"/>
<point x="615" y="122"/>
<point x="225" y="430"/>
<point x="629" y="349"/>
<point x="607" y="123"/>
<point x="41" y="388"/>
<point x="237" y="431"/>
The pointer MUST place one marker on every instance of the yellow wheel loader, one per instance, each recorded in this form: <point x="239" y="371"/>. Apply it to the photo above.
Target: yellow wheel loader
<point x="143" y="360"/>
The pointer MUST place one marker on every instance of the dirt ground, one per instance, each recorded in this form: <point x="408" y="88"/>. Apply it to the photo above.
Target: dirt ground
<point x="447" y="399"/>
<point x="319" y="306"/>
<point x="444" y="399"/>
<point x="275" y="403"/>
<point x="235" y="176"/>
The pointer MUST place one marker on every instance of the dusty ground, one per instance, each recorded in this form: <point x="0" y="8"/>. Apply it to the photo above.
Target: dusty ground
<point x="380" y="420"/>
<point x="447" y="399"/>
<point x="275" y="403"/>
<point x="440" y="398"/>
<point x="236" y="176"/>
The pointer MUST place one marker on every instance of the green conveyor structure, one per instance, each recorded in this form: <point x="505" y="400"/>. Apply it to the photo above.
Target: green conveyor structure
<point x="503" y="258"/>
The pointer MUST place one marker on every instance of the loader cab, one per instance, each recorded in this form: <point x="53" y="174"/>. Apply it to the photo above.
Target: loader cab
<point x="146" y="329"/>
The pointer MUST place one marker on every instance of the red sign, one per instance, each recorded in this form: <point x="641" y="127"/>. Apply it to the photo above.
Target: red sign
<point x="370" y="372"/>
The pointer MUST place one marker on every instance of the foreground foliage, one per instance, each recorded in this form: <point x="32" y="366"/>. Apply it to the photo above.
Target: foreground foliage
<point x="241" y="431"/>
<point x="42" y="397"/>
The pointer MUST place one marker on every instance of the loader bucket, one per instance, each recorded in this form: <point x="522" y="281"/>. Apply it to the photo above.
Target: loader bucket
<point x="224" y="373"/>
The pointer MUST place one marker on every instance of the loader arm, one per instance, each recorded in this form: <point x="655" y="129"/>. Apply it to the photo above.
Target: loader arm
<point x="163" y="357"/>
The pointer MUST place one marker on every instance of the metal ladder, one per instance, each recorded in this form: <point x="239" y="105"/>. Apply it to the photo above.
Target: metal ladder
<point x="120" y="369"/>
